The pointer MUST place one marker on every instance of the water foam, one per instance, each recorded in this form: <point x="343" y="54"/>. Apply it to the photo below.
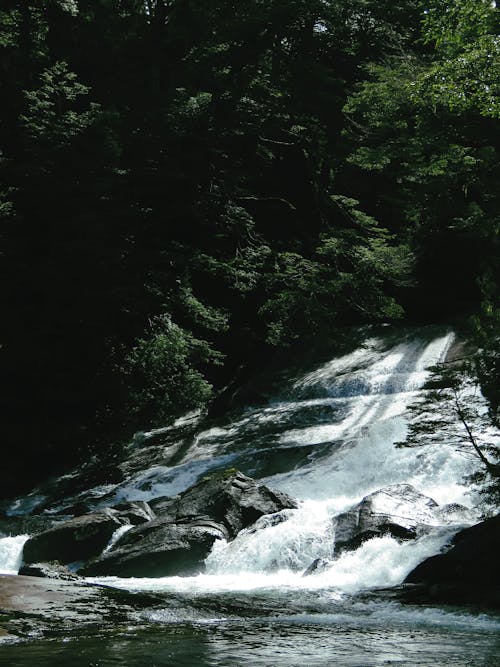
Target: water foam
<point x="11" y="550"/>
<point x="380" y="562"/>
<point x="363" y="400"/>
<point x="116" y="536"/>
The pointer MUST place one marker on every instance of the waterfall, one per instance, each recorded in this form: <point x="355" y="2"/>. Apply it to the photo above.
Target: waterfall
<point x="284" y="591"/>
<point x="11" y="549"/>
<point x="375" y="398"/>
<point x="329" y="440"/>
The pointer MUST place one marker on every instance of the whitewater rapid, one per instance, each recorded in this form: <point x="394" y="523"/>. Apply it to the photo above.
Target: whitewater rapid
<point x="348" y="416"/>
<point x="329" y="439"/>
<point x="11" y="549"/>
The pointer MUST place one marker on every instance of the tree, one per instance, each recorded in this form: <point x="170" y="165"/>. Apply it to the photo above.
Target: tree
<point x="465" y="74"/>
<point x="451" y="412"/>
<point x="424" y="125"/>
<point x="182" y="194"/>
<point x="161" y="374"/>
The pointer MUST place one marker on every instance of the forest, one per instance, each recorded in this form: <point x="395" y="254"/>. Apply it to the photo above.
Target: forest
<point x="189" y="189"/>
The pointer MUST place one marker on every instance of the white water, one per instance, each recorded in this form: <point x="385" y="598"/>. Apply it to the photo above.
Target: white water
<point x="347" y="416"/>
<point x="10" y="553"/>
<point x="349" y="454"/>
<point x="116" y="536"/>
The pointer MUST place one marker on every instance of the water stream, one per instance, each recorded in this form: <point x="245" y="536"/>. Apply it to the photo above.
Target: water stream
<point x="329" y="439"/>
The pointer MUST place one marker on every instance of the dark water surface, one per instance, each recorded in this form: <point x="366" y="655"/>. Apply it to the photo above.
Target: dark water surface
<point x="279" y="644"/>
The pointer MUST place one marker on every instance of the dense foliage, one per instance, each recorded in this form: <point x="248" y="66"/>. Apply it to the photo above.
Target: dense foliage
<point x="186" y="186"/>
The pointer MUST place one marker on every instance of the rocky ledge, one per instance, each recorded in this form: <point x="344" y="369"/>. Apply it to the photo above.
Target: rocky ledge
<point x="172" y="536"/>
<point x="398" y="511"/>
<point x="466" y="574"/>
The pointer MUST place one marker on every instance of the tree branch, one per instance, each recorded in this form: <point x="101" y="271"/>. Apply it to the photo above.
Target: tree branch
<point x="493" y="468"/>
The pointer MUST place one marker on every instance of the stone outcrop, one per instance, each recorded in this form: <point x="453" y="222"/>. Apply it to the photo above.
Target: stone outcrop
<point x="78" y="539"/>
<point x="172" y="537"/>
<point x="468" y="572"/>
<point x="159" y="548"/>
<point x="229" y="498"/>
<point x="178" y="541"/>
<point x="399" y="511"/>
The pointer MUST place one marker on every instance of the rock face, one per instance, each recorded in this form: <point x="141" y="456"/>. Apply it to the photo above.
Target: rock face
<point x="36" y="607"/>
<point x="135" y="512"/>
<point x="178" y="541"/>
<point x="230" y="498"/>
<point x="75" y="540"/>
<point x="160" y="548"/>
<point x="468" y="572"/>
<point x="399" y="510"/>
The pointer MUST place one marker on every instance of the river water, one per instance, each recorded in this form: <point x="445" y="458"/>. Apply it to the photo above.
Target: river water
<point x="329" y="439"/>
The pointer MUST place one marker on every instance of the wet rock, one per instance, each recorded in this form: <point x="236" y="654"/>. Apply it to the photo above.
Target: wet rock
<point x="399" y="510"/>
<point x="229" y="498"/>
<point x="26" y="525"/>
<point x="159" y="548"/>
<point x="83" y="537"/>
<point x="135" y="512"/>
<point x="53" y="570"/>
<point x="468" y="572"/>
<point x="78" y="539"/>
<point x="318" y="565"/>
<point x="179" y="540"/>
<point x="37" y="607"/>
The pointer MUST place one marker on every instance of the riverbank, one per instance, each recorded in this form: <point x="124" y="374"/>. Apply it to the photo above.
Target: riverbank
<point x="33" y="607"/>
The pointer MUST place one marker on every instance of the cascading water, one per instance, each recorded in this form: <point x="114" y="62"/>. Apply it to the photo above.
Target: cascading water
<point x="331" y="442"/>
<point x="330" y="439"/>
<point x="10" y="553"/>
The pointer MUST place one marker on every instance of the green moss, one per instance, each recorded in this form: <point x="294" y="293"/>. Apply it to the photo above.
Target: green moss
<point x="222" y="474"/>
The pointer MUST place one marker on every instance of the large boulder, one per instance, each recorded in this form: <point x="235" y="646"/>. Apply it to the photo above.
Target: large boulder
<point x="78" y="539"/>
<point x="159" y="548"/>
<point x="399" y="511"/>
<point x="468" y="572"/>
<point x="179" y="540"/>
<point x="83" y="537"/>
<point x="229" y="498"/>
